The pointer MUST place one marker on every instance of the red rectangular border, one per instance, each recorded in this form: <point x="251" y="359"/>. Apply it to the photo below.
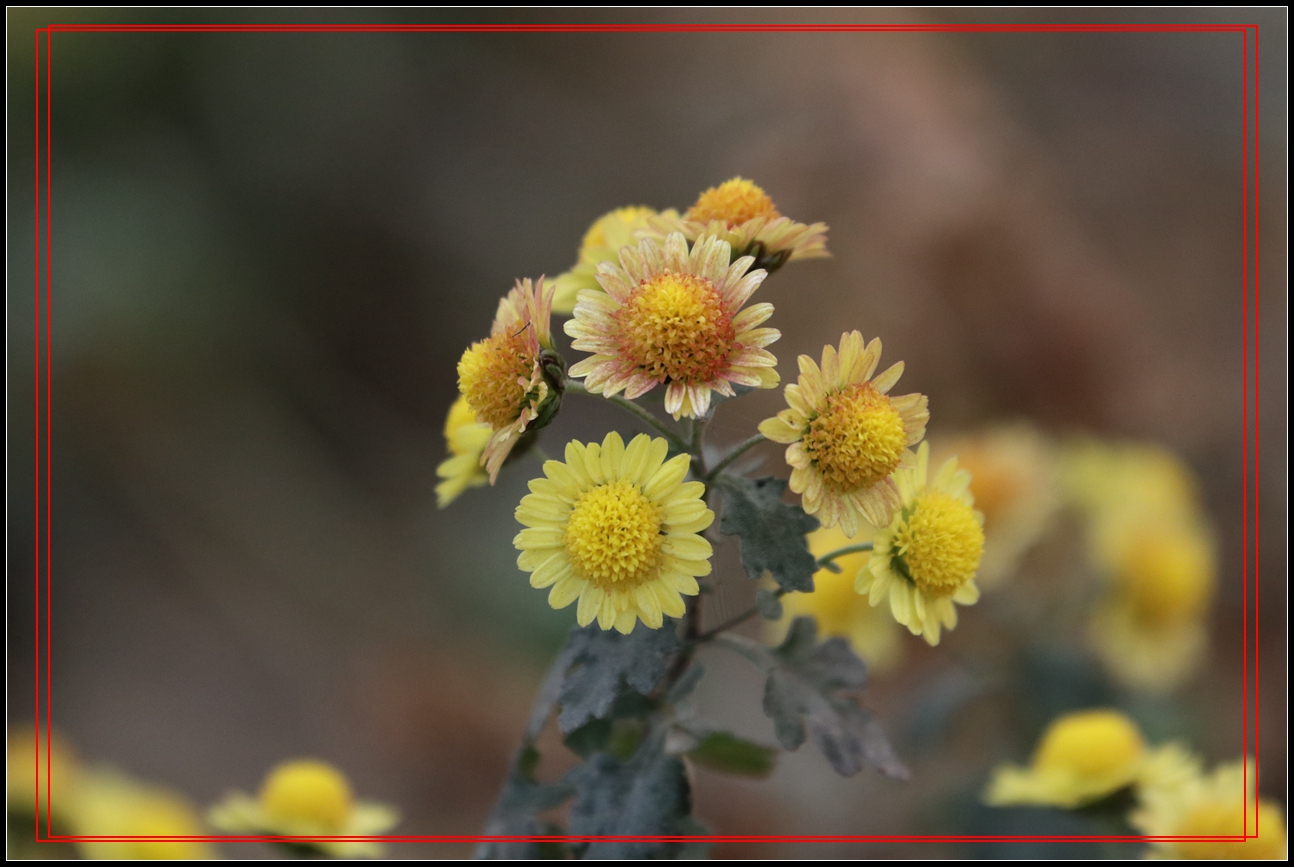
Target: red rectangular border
<point x="1249" y="143"/>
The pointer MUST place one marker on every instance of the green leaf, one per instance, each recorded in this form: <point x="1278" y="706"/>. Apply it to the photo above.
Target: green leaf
<point x="724" y="751"/>
<point x="808" y="693"/>
<point x="602" y="660"/>
<point x="771" y="532"/>
<point x="514" y="813"/>
<point x="648" y="795"/>
<point x="768" y="604"/>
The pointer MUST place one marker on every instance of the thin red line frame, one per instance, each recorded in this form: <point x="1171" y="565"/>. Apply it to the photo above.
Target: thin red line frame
<point x="1249" y="284"/>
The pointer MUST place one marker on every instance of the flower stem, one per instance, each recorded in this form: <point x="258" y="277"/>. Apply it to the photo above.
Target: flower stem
<point x="576" y="387"/>
<point x="825" y="560"/>
<point x="735" y="621"/>
<point x="733" y="455"/>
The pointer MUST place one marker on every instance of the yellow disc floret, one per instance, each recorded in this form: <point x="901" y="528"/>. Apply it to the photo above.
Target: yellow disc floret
<point x="857" y="440"/>
<point x="494" y="374"/>
<point x="733" y="202"/>
<point x="1166" y="578"/>
<point x="675" y="326"/>
<point x="614" y="535"/>
<point x="1091" y="744"/>
<point x="938" y="543"/>
<point x="307" y="793"/>
<point x="1227" y="819"/>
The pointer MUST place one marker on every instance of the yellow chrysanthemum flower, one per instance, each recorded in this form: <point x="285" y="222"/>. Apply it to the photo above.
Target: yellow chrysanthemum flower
<point x="617" y="528"/>
<point x="601" y="243"/>
<point x="742" y="214"/>
<point x="466" y="439"/>
<point x="32" y="778"/>
<point x="847" y="435"/>
<point x="1082" y="757"/>
<point x="1109" y="481"/>
<point x="1212" y="806"/>
<point x="839" y="609"/>
<point x="109" y="804"/>
<point x="925" y="560"/>
<point x="307" y="798"/>
<point x="512" y="380"/>
<point x="1013" y="481"/>
<point x="673" y="316"/>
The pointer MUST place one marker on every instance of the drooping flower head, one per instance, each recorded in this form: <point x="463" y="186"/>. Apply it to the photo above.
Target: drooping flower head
<point x="1013" y="480"/>
<point x="466" y="439"/>
<point x="739" y="212"/>
<point x="513" y="379"/>
<point x="602" y="243"/>
<point x="926" y="558"/>
<point x="307" y="798"/>
<point x="847" y="435"/>
<point x="617" y="528"/>
<point x="1219" y="805"/>
<point x="674" y="317"/>
<point x="837" y="607"/>
<point x="1083" y="757"/>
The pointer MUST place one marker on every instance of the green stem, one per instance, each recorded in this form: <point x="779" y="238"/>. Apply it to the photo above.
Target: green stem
<point x="577" y="387"/>
<point x="540" y="455"/>
<point x="825" y="560"/>
<point x="733" y="455"/>
<point x="735" y="621"/>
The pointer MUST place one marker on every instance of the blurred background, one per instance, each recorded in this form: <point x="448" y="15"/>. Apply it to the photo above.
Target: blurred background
<point x="271" y="249"/>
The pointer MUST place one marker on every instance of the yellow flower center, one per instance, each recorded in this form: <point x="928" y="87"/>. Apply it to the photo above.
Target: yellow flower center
<point x="1227" y="819"/>
<point x="1167" y="579"/>
<point x="613" y="535"/>
<point x="494" y="375"/>
<point x="675" y="326"/>
<point x="1092" y="745"/>
<point x="613" y="229"/>
<point x="734" y="202"/>
<point x="857" y="440"/>
<point x="938" y="543"/>
<point x="308" y="793"/>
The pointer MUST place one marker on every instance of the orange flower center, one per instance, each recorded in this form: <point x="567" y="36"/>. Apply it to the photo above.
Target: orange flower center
<point x="733" y="202"/>
<point x="676" y="327"/>
<point x="857" y="440"/>
<point x="494" y="375"/>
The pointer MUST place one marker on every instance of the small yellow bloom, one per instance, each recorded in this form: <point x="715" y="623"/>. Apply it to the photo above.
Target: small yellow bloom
<point x="617" y="528"/>
<point x="742" y="214"/>
<point x="839" y="609"/>
<point x="512" y="380"/>
<point x="466" y="439"/>
<point x="674" y="317"/>
<point x="109" y="804"/>
<point x="847" y="435"/>
<point x="307" y="798"/>
<point x="925" y="560"/>
<point x="602" y="243"/>
<point x="1082" y="757"/>
<point x="1215" y="805"/>
<point x="1013" y="481"/>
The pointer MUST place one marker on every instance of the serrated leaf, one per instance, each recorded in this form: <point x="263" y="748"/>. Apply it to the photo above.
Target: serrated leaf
<point x="514" y="813"/>
<point x="771" y="532"/>
<point x="602" y="660"/>
<point x="808" y="695"/>
<point x="648" y="795"/>
<point x="724" y="751"/>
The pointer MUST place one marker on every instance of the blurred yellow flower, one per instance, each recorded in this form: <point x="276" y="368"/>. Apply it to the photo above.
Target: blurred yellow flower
<point x="466" y="439"/>
<point x="307" y="798"/>
<point x="846" y="434"/>
<point x="925" y="560"/>
<point x="618" y="529"/>
<point x="601" y="243"/>
<point x="110" y="804"/>
<point x="58" y="779"/>
<point x="1082" y="757"/>
<point x="1215" y="805"/>
<point x="839" y="609"/>
<point x="1015" y="485"/>
<point x="512" y="379"/>
<point x="740" y="213"/>
<point x="673" y="316"/>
